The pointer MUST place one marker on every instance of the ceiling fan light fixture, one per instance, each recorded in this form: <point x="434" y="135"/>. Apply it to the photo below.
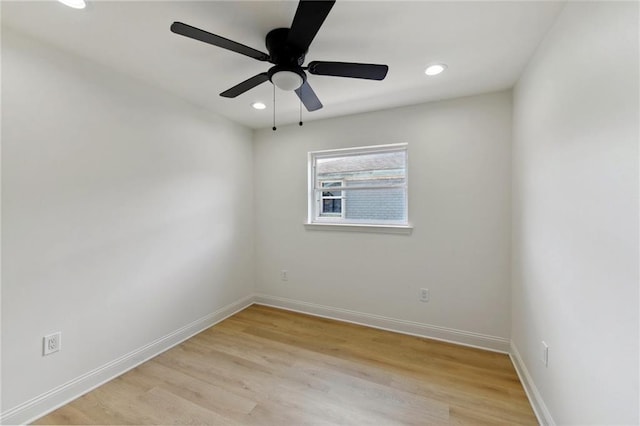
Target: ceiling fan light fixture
<point x="287" y="80"/>
<point x="258" y="105"/>
<point x="435" y="69"/>
<point x="76" y="4"/>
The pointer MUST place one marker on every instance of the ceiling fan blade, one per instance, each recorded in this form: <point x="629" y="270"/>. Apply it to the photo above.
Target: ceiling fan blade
<point x="248" y="84"/>
<point x="216" y="40"/>
<point x="349" y="69"/>
<point x="307" y="21"/>
<point x="308" y="97"/>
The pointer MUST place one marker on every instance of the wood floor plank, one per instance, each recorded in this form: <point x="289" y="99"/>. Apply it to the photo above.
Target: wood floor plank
<point x="69" y="416"/>
<point x="266" y="366"/>
<point x="206" y="395"/>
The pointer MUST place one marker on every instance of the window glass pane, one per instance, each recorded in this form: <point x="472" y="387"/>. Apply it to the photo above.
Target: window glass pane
<point x="379" y="205"/>
<point x="329" y="185"/>
<point x="331" y="207"/>
<point x="378" y="168"/>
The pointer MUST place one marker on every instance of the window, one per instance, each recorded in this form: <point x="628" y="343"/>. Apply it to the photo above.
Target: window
<point x="359" y="186"/>
<point x="331" y="202"/>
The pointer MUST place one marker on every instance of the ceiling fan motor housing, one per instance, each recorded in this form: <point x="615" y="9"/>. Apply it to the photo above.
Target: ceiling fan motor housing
<point x="280" y="51"/>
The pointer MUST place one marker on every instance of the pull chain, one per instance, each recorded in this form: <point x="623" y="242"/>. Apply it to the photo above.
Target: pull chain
<point x="274" y="108"/>
<point x="300" y="122"/>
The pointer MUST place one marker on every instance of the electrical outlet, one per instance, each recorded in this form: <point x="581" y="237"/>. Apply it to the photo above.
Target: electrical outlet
<point x="544" y="354"/>
<point x="51" y="343"/>
<point x="284" y="275"/>
<point x="424" y="294"/>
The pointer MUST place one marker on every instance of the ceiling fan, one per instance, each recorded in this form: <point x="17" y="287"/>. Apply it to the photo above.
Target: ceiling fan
<point x="287" y="49"/>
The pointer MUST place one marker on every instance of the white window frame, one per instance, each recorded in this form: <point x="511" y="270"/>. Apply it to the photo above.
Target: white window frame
<point x="315" y="221"/>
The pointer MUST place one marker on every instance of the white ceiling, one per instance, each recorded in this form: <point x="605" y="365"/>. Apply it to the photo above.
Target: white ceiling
<point x="485" y="45"/>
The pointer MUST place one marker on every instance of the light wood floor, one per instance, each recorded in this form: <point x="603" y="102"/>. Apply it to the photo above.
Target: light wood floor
<point x="267" y="366"/>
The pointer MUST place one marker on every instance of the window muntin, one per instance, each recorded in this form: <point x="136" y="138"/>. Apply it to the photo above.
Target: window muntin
<point x="368" y="186"/>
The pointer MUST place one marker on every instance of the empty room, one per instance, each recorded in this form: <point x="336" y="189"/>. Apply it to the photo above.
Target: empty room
<point x="320" y="212"/>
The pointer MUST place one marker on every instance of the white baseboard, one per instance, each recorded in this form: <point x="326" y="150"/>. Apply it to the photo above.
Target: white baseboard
<point x="466" y="338"/>
<point x="43" y="404"/>
<point x="537" y="403"/>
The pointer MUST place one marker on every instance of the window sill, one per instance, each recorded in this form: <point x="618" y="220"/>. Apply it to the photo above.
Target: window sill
<point x="351" y="227"/>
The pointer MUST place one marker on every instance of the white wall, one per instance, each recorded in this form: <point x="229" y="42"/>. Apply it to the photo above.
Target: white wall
<point x="459" y="204"/>
<point x="575" y="222"/>
<point x="127" y="214"/>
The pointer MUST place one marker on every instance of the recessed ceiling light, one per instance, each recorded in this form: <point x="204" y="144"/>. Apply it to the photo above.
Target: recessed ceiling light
<point x="258" y="105"/>
<point x="76" y="4"/>
<point x="435" y="69"/>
